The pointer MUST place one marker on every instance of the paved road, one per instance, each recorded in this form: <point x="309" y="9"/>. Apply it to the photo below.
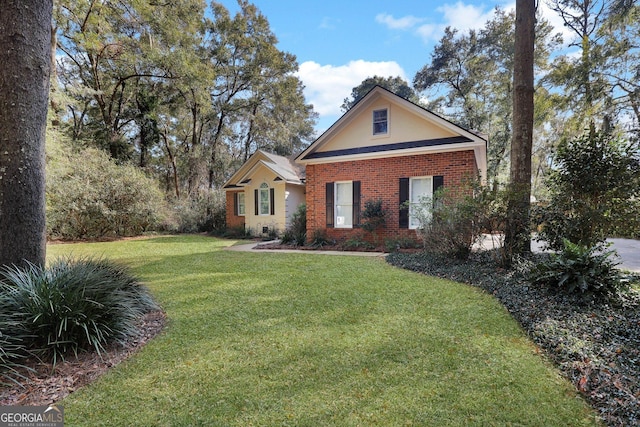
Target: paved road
<point x="628" y="251"/>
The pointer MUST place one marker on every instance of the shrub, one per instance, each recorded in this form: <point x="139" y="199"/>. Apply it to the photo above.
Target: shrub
<point x="90" y="196"/>
<point x="373" y="215"/>
<point x="588" y="272"/>
<point x="296" y="232"/>
<point x="205" y="212"/>
<point x="594" y="192"/>
<point x="357" y="243"/>
<point x="320" y="239"/>
<point x="395" y="244"/>
<point x="73" y="305"/>
<point x="239" y="232"/>
<point x="457" y="220"/>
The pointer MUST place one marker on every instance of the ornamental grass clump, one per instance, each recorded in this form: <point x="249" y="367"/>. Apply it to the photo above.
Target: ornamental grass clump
<point x="13" y="342"/>
<point x="72" y="305"/>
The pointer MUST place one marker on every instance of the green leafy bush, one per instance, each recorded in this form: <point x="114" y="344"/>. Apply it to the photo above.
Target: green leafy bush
<point x="90" y="196"/>
<point x="296" y="232"/>
<point x="594" y="192"/>
<point x="395" y="244"/>
<point x="588" y="272"/>
<point x="373" y="215"/>
<point x="355" y="243"/>
<point x="320" y="239"/>
<point x="205" y="212"/>
<point x="73" y="305"/>
<point x="452" y="223"/>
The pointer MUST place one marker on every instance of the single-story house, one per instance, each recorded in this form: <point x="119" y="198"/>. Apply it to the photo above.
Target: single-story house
<point x="263" y="194"/>
<point x="385" y="148"/>
<point x="390" y="149"/>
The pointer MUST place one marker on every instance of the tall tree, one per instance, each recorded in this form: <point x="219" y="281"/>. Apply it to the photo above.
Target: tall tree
<point x="251" y="74"/>
<point x="107" y="49"/>
<point x="470" y="80"/>
<point x="620" y="51"/>
<point x="517" y="233"/>
<point x="581" y="75"/>
<point x="25" y="37"/>
<point x="396" y="85"/>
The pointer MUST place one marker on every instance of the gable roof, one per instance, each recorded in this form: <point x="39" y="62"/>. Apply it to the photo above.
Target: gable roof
<point x="284" y="169"/>
<point x="445" y="137"/>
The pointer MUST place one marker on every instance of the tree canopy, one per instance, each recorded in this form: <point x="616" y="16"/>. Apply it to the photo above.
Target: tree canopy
<point x="184" y="95"/>
<point x="396" y="85"/>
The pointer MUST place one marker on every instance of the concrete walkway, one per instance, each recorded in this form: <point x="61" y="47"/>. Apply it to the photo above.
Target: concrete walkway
<point x="628" y="251"/>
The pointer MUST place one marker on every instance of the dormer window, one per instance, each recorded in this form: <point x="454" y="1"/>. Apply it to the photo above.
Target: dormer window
<point x="380" y="122"/>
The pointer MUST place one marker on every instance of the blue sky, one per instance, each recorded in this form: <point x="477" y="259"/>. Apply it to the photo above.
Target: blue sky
<point x="339" y="43"/>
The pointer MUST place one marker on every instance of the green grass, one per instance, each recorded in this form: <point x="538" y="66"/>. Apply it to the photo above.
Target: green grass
<point x="264" y="339"/>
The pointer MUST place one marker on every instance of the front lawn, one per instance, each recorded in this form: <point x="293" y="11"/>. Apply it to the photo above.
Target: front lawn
<point x="305" y="339"/>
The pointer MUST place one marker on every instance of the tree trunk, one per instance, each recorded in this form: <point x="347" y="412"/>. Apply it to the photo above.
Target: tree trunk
<point x="25" y="37"/>
<point x="518" y="233"/>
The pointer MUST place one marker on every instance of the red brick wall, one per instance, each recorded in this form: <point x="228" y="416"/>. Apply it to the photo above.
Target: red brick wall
<point x="380" y="180"/>
<point x="233" y="220"/>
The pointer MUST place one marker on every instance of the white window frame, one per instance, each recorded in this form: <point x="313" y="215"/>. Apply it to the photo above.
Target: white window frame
<point x="345" y="221"/>
<point x="413" y="204"/>
<point x="242" y="206"/>
<point x="385" y="121"/>
<point x="264" y="190"/>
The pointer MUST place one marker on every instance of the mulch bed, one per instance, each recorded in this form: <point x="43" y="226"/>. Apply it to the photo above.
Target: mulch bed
<point x="45" y="385"/>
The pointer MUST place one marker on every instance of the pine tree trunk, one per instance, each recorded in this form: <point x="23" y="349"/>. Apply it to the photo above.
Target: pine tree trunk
<point x="25" y="37"/>
<point x="518" y="234"/>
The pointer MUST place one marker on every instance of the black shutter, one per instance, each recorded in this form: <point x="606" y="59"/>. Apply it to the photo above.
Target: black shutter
<point x="356" y="203"/>
<point x="404" y="203"/>
<point x="235" y="203"/>
<point x="329" y="203"/>
<point x="255" y="201"/>
<point x="438" y="183"/>
<point x="272" y="196"/>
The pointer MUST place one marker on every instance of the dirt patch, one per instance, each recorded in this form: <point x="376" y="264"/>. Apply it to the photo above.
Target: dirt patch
<point x="42" y="387"/>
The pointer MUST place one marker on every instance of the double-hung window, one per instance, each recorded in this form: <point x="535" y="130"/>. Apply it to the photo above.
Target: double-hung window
<point x="264" y="199"/>
<point x="416" y="199"/>
<point x="380" y="122"/>
<point x="240" y="204"/>
<point x="420" y="201"/>
<point x="344" y="204"/>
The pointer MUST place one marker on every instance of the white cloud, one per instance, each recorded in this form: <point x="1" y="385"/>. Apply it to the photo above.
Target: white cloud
<point x="404" y="23"/>
<point x="328" y="23"/>
<point x="429" y="32"/>
<point x="464" y="16"/>
<point x="459" y="15"/>
<point x="326" y="86"/>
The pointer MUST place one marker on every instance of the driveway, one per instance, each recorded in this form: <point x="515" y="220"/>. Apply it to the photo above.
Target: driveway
<point x="628" y="250"/>
<point x="629" y="253"/>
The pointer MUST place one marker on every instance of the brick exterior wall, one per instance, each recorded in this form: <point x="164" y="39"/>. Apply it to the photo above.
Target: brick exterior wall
<point x="380" y="180"/>
<point x="233" y="220"/>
